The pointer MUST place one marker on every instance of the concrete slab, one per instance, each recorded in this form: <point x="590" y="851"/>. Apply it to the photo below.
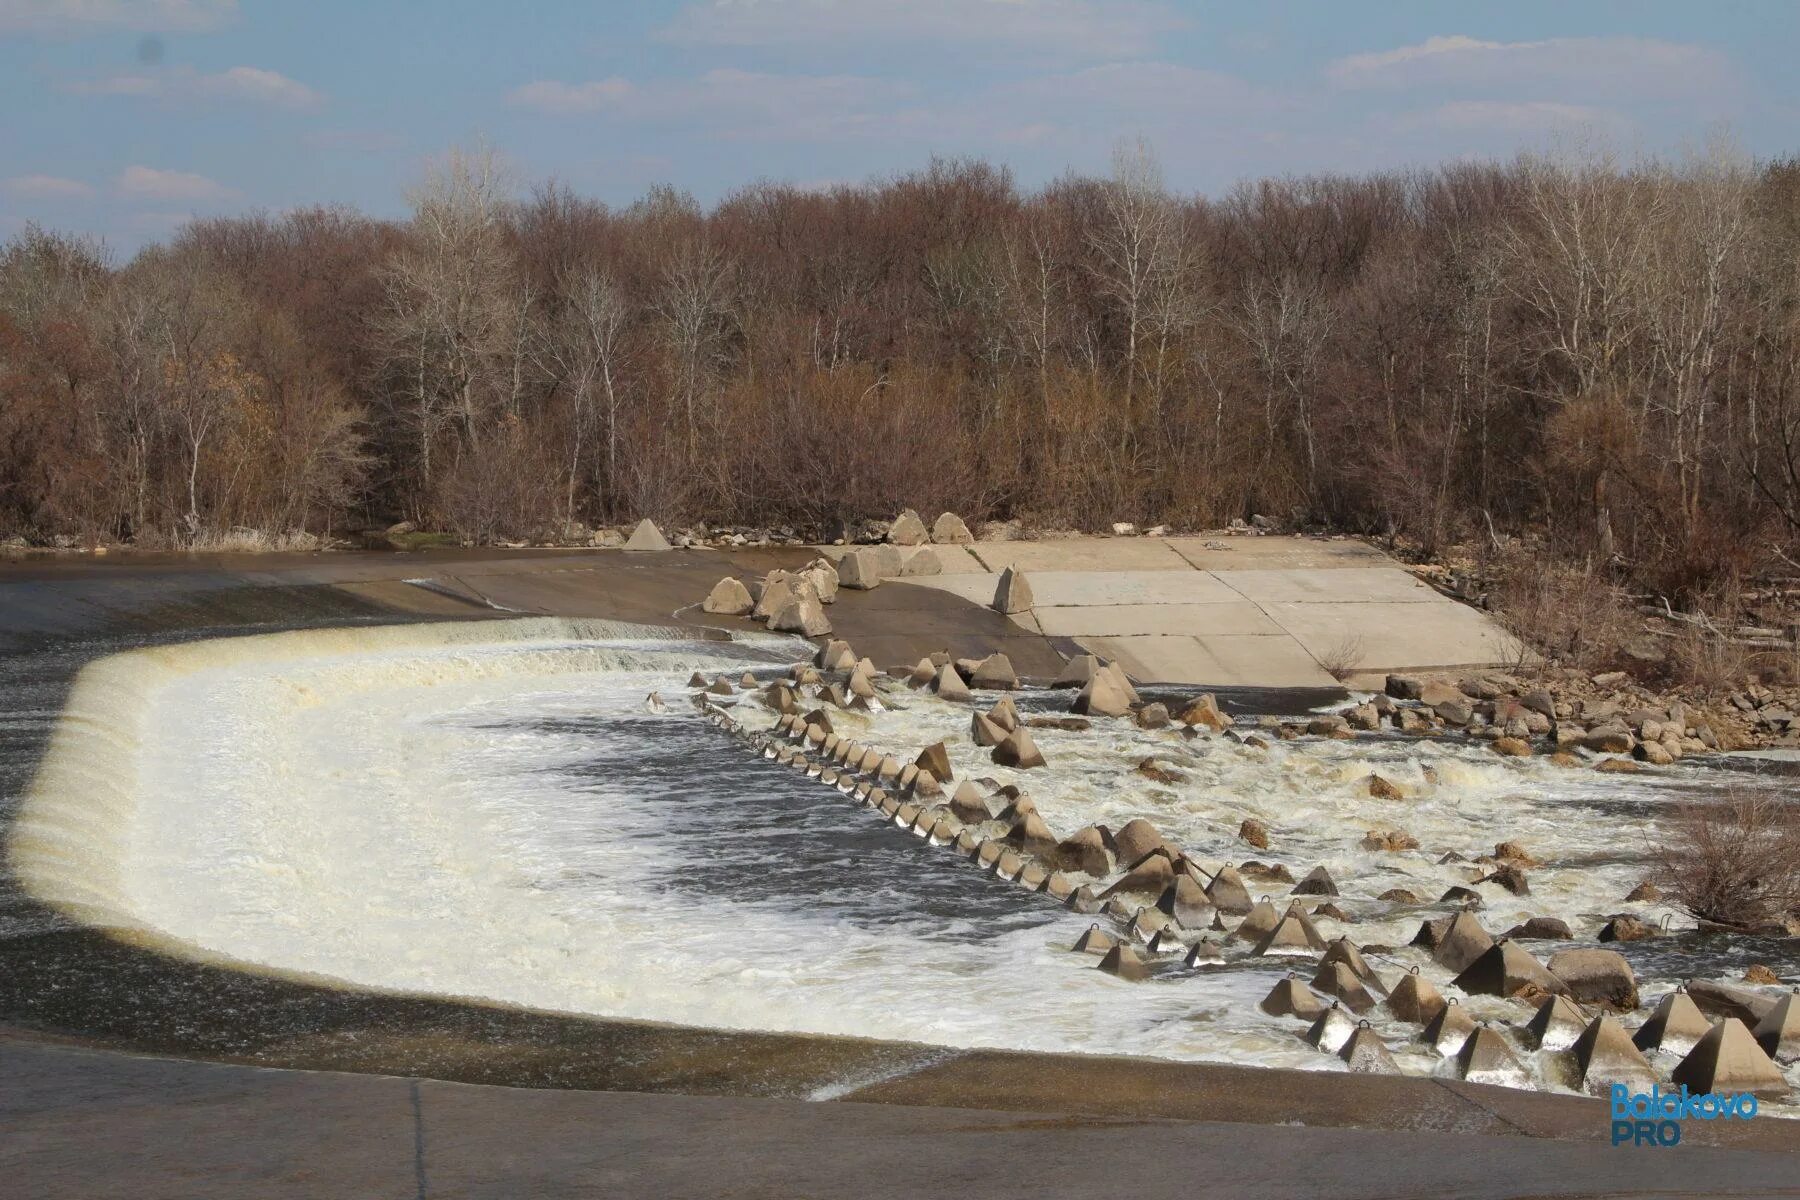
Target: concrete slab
<point x="1391" y="636"/>
<point x="1083" y="554"/>
<point x="1221" y="661"/>
<point x="1261" y="553"/>
<point x="1186" y="620"/>
<point x="1313" y="584"/>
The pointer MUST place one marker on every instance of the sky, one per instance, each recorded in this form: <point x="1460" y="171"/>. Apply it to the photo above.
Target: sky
<point x="123" y="118"/>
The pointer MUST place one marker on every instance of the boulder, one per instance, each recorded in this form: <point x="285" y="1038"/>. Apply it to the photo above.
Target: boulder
<point x="995" y="673"/>
<point x="1404" y="687"/>
<point x="1604" y="1056"/>
<point x="1729" y="1000"/>
<point x="1018" y="750"/>
<point x="1151" y="716"/>
<point x="1601" y="977"/>
<point x="729" y="598"/>
<point x="1102" y="697"/>
<point x="777" y="590"/>
<point x="1727" y="1059"/>
<point x="1013" y="593"/>
<point x="1254" y="832"/>
<point x="1507" y="969"/>
<point x="1291" y="998"/>
<point x="1626" y="928"/>
<point x="1318" y="882"/>
<point x="1204" y="710"/>
<point x="1512" y="747"/>
<point x="822" y="574"/>
<point x="949" y="530"/>
<point x="1486" y="1058"/>
<point x="647" y="538"/>
<point x="1541" y="929"/>
<point x="907" y="530"/>
<point x="1555" y="1025"/>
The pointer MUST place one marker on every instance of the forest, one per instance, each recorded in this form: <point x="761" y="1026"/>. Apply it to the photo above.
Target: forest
<point x="1600" y="356"/>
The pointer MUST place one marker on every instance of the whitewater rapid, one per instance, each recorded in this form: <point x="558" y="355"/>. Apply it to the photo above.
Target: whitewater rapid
<point x="486" y="810"/>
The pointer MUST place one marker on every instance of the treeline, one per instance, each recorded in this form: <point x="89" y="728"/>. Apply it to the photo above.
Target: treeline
<point x="1607" y="355"/>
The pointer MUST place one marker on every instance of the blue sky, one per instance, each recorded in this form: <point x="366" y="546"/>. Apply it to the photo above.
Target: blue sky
<point x="124" y="117"/>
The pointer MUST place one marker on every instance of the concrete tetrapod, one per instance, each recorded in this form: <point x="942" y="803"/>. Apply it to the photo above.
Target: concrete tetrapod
<point x="936" y="759"/>
<point x="1018" y="750"/>
<point x="1556" y="1025"/>
<point x="948" y="684"/>
<point x="647" y="537"/>
<point x="1779" y="1032"/>
<point x="1287" y="939"/>
<point x="1085" y="851"/>
<point x="1262" y="918"/>
<point x="1318" y="882"/>
<point x="1447" y="1031"/>
<point x="1124" y="962"/>
<point x="1674" y="1026"/>
<point x="1486" y="1058"/>
<point x="1366" y="1054"/>
<point x="1077" y="671"/>
<point x="1102" y="697"/>
<point x="1291" y="998"/>
<point x="1728" y="1059"/>
<point x="983" y="731"/>
<point x="1227" y="891"/>
<point x="1136" y="838"/>
<point x="1415" y="999"/>
<point x="1013" y="594"/>
<point x="1347" y="952"/>
<point x="1005" y="714"/>
<point x="1604" y="1056"/>
<point x="1507" y="969"/>
<point x="1337" y="979"/>
<point x="1331" y="1030"/>
<point x="1462" y="943"/>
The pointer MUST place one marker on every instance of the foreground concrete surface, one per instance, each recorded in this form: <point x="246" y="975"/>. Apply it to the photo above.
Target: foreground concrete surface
<point x="80" y="1124"/>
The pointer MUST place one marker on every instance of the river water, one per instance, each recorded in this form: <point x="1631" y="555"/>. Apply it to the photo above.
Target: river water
<point x="485" y="812"/>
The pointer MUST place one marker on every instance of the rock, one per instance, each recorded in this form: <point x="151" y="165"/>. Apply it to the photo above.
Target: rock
<point x="1254" y="832"/>
<point x="1404" y="687"/>
<point x="1094" y="941"/>
<point x="949" y="685"/>
<point x="1018" y="750"/>
<point x="1608" y="739"/>
<point x="822" y="574"/>
<point x="1291" y="998"/>
<point x="1363" y="717"/>
<point x="729" y="597"/>
<point x="949" y="530"/>
<point x="1446" y="1032"/>
<point x="1102" y="697"/>
<point x="1512" y="747"/>
<point x="1515" y="854"/>
<point x="803" y="615"/>
<point x="1366" y="1054"/>
<point x="1541" y="929"/>
<point x="1398" y="896"/>
<point x="1778" y="1033"/>
<point x="1383" y="789"/>
<point x="1486" y="1058"/>
<point x="1626" y="928"/>
<point x="1013" y="594"/>
<point x="647" y="538"/>
<point x="1318" y="882"/>
<point x="1604" y="1056"/>
<point x="1727" y="1059"/>
<point x="1327" y="726"/>
<point x="1267" y="872"/>
<point x="1510" y="878"/>
<point x="995" y="673"/>
<point x="1754" y="973"/>
<point x="1555" y="1025"/>
<point x="1600" y="977"/>
<point x="1727" y="1000"/>
<point x="1204" y="710"/>
<point x="936" y="759"/>
<point x="1150" y="769"/>
<point x="1415" y="999"/>
<point x="1644" y="891"/>
<point x="1460" y="944"/>
<point x="1675" y="1025"/>
<point x="1151" y="716"/>
<point x="1618" y="765"/>
<point x="1389" y="839"/>
<point x="1124" y="962"/>
<point x="777" y="590"/>
<point x="907" y="530"/>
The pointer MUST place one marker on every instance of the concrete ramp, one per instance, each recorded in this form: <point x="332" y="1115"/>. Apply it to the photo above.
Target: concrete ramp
<point x="1244" y="612"/>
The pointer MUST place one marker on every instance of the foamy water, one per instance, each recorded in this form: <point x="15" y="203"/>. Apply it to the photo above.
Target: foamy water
<point x="486" y="810"/>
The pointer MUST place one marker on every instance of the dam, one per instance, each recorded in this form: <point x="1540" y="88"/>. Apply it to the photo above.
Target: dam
<point x="412" y="816"/>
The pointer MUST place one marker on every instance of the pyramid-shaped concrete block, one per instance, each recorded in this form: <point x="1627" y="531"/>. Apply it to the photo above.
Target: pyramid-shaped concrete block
<point x="1486" y="1058"/>
<point x="1728" y="1059"/>
<point x="1778" y="1033"/>
<point x="1556" y="1024"/>
<point x="647" y="537"/>
<point x="1013" y="593"/>
<point x="1674" y="1026"/>
<point x="1604" y="1056"/>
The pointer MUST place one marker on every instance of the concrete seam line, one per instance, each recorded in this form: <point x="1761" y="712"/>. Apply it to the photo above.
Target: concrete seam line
<point x="1518" y="1129"/>
<point x="418" y="1111"/>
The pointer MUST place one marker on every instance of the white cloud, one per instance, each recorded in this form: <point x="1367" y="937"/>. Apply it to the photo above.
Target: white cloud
<point x="1590" y="66"/>
<point x="1518" y="116"/>
<point x="47" y="187"/>
<point x="1084" y="28"/>
<point x="151" y="183"/>
<point x="729" y="103"/>
<point x="237" y="85"/>
<point x="61" y="17"/>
